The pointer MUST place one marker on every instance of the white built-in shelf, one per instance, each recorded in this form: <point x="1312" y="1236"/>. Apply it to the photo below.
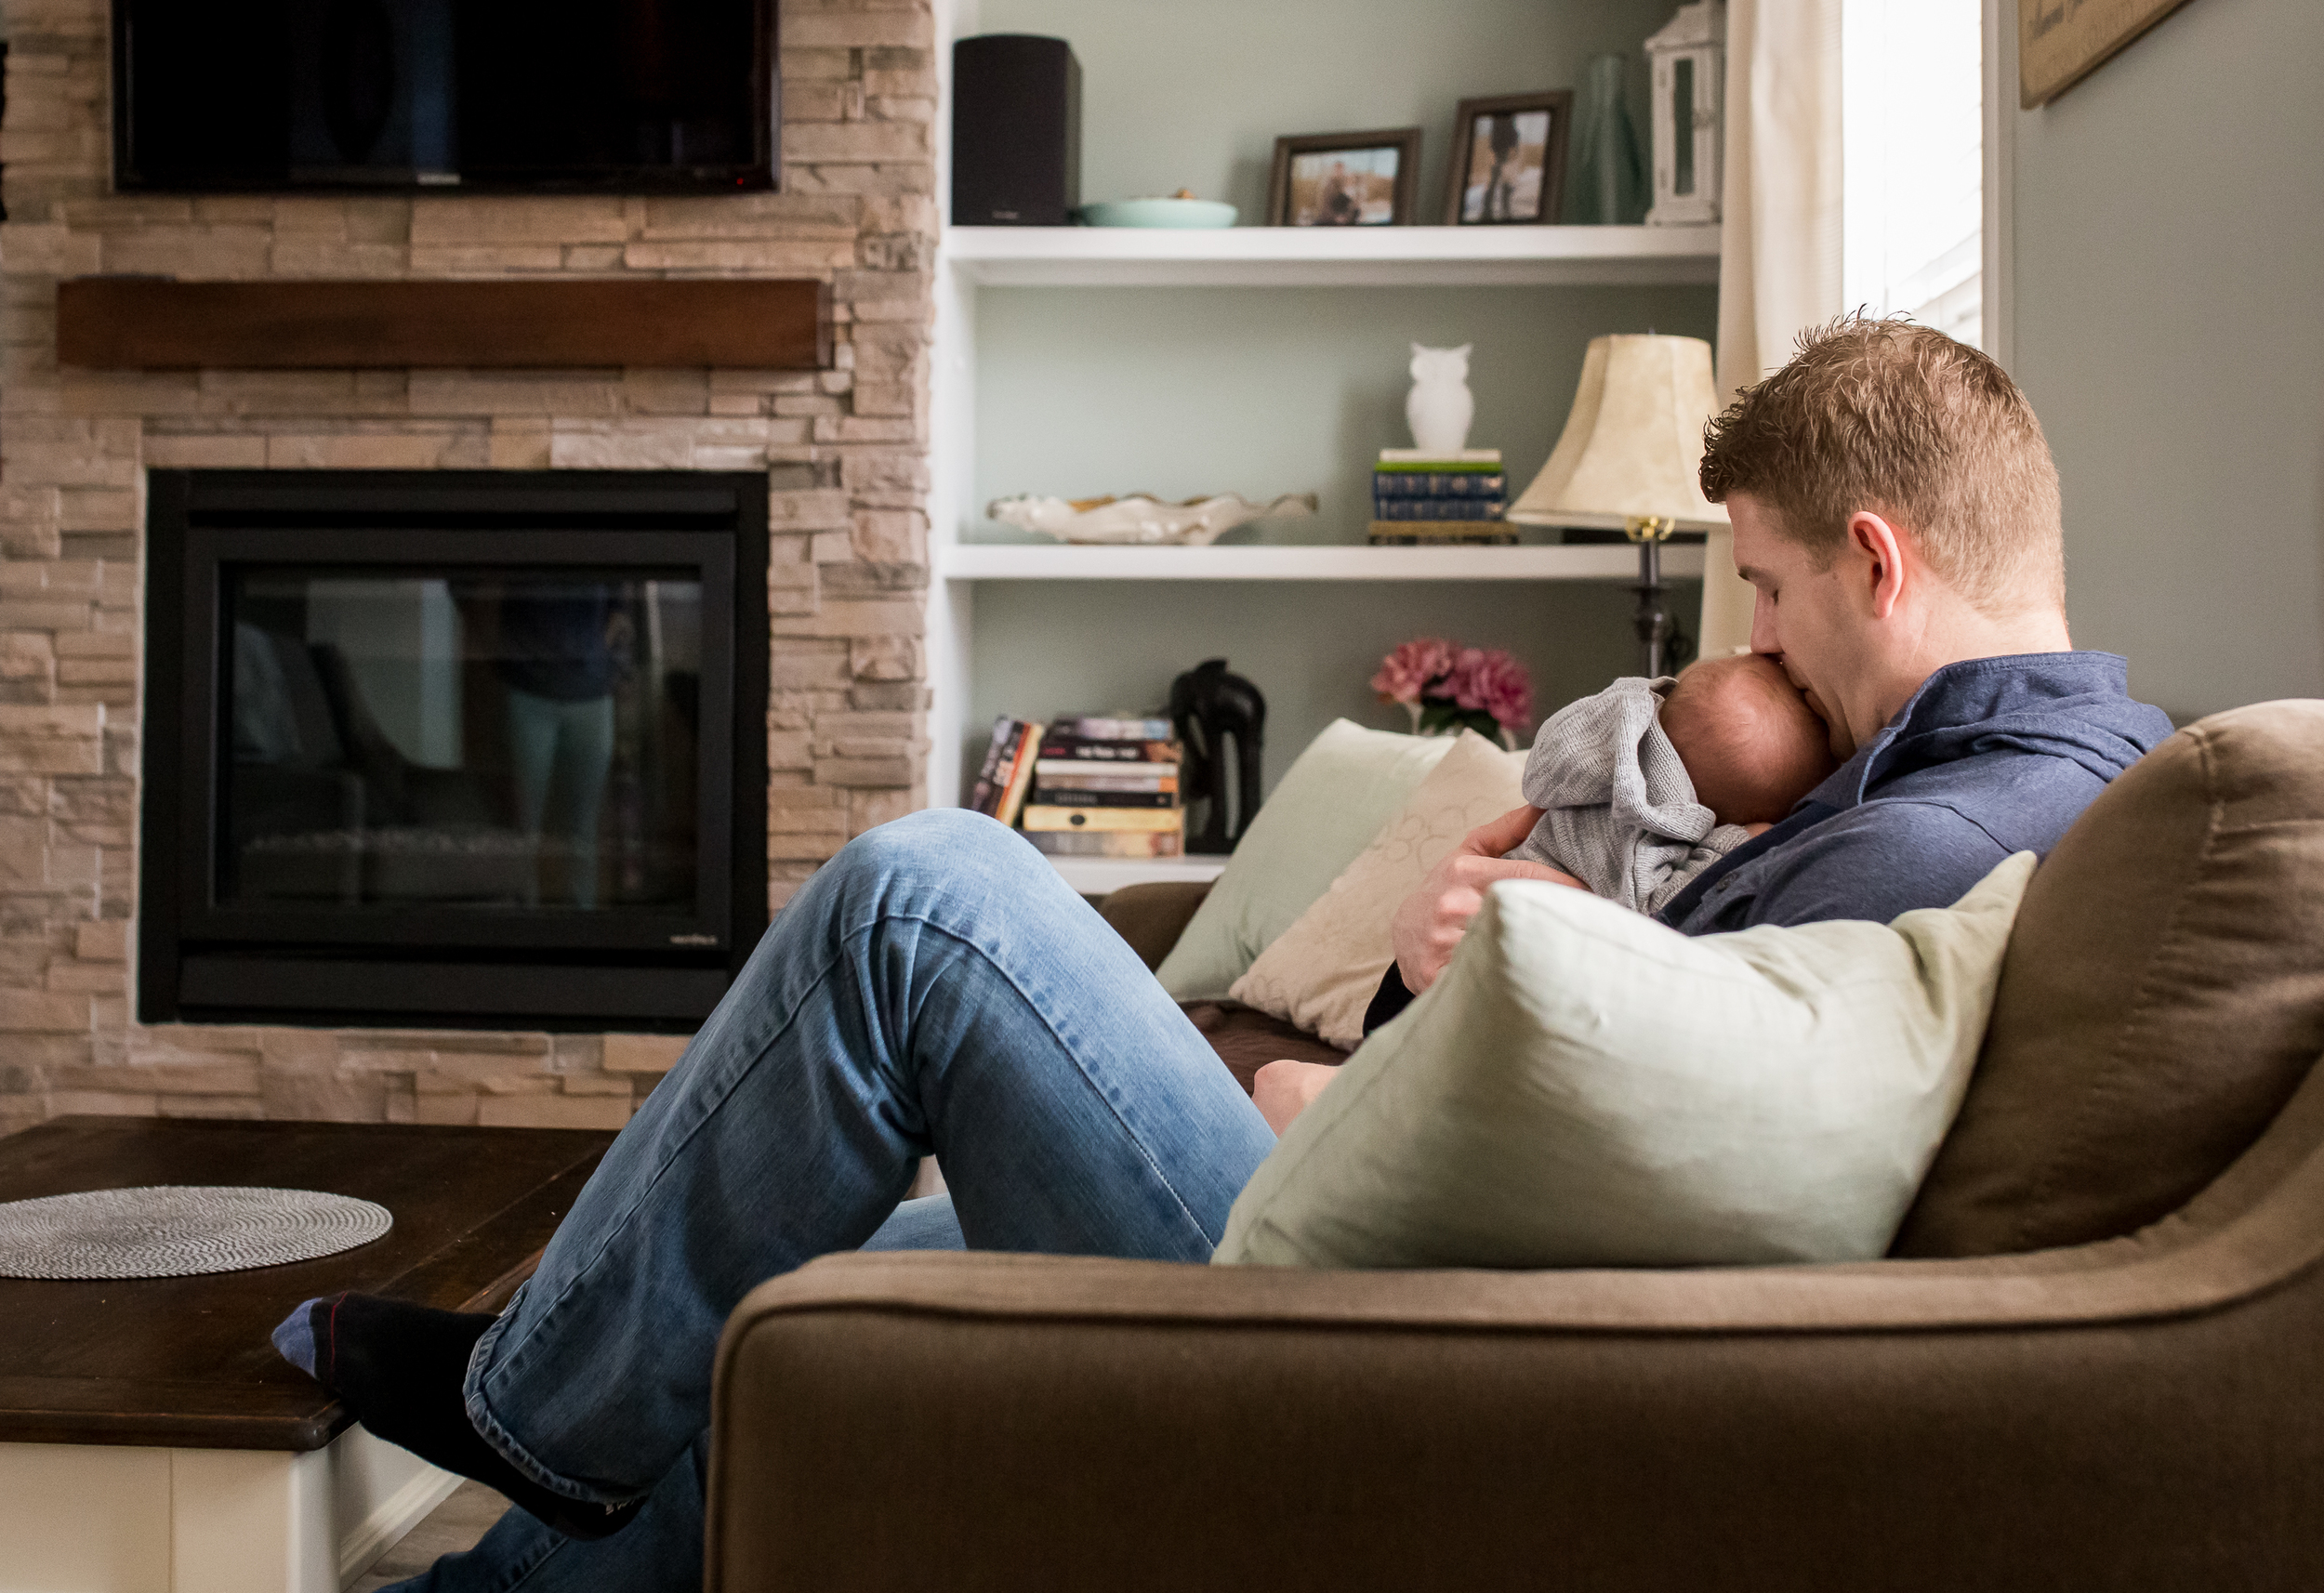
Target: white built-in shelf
<point x="1020" y="561"/>
<point x="1331" y="256"/>
<point x="1101" y="875"/>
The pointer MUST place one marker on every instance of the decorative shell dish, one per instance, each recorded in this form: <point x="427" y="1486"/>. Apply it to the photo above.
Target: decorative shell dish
<point x="1142" y="518"/>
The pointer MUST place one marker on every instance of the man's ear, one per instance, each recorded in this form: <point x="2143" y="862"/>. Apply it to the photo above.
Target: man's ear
<point x="1883" y="546"/>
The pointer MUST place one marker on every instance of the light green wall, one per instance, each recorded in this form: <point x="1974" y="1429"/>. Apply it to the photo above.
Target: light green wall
<point x="1265" y="390"/>
<point x="2169" y="264"/>
<point x="1194" y="93"/>
<point x="1179" y="391"/>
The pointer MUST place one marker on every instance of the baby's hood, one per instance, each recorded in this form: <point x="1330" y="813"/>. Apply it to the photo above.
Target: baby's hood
<point x="1610" y="751"/>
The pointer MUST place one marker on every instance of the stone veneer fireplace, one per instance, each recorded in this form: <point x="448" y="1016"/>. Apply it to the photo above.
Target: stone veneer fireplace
<point x="844" y="452"/>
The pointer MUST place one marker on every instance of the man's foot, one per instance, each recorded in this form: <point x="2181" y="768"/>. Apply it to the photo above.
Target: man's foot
<point x="400" y="1367"/>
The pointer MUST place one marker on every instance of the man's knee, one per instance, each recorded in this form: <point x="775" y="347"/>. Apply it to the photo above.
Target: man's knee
<point x="946" y="838"/>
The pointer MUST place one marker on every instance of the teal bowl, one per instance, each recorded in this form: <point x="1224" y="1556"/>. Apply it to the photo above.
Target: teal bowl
<point x="1158" y="213"/>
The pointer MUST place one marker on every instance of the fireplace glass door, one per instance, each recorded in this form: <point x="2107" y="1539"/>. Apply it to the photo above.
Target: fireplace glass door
<point x="463" y="747"/>
<point x="497" y="741"/>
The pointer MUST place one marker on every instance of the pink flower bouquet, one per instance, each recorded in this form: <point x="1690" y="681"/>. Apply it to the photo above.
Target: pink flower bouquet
<point x="1447" y="687"/>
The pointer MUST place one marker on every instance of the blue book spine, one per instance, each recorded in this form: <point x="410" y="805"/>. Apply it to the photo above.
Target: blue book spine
<point x="1436" y="508"/>
<point x="1437" y="485"/>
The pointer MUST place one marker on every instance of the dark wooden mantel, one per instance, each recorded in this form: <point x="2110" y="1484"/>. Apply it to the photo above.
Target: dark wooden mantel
<point x="154" y="323"/>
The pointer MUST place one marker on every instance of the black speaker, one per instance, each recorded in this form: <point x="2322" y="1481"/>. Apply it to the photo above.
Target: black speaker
<point x="1016" y="131"/>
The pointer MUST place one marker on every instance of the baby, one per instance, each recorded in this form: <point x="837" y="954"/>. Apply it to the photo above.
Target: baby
<point x="1650" y="781"/>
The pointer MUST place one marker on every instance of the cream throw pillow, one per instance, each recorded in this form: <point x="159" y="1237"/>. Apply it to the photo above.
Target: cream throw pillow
<point x="1331" y="802"/>
<point x="1321" y="973"/>
<point x="1584" y="1086"/>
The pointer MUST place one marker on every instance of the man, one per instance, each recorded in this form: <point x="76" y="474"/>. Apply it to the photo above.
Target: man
<point x="936" y="987"/>
<point x="1896" y="513"/>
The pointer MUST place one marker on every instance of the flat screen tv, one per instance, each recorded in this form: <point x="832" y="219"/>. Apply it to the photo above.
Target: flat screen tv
<point x="574" y="94"/>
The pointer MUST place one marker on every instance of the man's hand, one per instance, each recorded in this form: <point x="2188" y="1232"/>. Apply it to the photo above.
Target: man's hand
<point x="1428" y="925"/>
<point x="1282" y="1090"/>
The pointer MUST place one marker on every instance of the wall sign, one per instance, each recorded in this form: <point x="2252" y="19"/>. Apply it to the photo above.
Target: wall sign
<point x="2061" y="42"/>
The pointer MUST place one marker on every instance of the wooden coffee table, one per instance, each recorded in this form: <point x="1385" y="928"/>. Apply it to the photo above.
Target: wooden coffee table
<point x="151" y="1439"/>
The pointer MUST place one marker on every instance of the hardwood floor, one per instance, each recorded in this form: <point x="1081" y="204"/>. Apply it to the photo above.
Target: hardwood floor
<point x="454" y="1525"/>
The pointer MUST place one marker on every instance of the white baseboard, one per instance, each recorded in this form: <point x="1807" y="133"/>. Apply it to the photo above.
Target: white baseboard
<point x="382" y="1526"/>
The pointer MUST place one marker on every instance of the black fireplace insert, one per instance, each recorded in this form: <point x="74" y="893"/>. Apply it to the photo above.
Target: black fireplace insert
<point x="461" y="748"/>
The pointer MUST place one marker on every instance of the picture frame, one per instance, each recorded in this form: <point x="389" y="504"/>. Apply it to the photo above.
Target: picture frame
<point x="1345" y="180"/>
<point x="1508" y="166"/>
<point x="2058" y="44"/>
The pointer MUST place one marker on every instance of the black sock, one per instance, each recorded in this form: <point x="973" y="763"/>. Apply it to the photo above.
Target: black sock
<point x="400" y="1367"/>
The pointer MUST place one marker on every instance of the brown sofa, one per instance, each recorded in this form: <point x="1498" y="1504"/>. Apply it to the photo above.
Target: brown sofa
<point x="2095" y="1359"/>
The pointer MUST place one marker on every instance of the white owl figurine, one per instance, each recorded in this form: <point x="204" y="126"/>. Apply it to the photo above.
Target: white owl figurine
<point x="1439" y="407"/>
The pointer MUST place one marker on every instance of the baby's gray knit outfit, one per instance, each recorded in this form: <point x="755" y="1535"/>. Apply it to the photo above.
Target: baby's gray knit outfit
<point x="1622" y="815"/>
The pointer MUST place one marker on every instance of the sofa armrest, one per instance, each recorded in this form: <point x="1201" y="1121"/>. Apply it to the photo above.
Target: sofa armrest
<point x="2139" y="1414"/>
<point x="1152" y="916"/>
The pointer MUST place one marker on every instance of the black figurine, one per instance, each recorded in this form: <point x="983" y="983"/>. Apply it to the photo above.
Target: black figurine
<point x="1208" y="708"/>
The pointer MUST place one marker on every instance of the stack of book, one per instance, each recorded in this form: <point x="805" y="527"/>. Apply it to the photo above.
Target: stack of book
<point x="1106" y="787"/>
<point x="1431" y="500"/>
<point x="1007" y="773"/>
<point x="1093" y="786"/>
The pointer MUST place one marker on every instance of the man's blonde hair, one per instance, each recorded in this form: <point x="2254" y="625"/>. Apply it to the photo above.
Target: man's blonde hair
<point x="1928" y="433"/>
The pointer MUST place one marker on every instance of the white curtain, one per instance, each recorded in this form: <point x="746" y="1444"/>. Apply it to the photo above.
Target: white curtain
<point x="1779" y="258"/>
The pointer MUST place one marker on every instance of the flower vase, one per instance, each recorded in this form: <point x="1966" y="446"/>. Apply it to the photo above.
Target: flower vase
<point x="1446" y="688"/>
<point x="1442" y="717"/>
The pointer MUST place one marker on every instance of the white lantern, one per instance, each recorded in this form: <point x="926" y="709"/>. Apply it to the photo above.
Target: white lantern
<point x="1689" y="58"/>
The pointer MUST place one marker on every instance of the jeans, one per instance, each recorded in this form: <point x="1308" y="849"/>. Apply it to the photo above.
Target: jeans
<point x="564" y="749"/>
<point x="934" y="989"/>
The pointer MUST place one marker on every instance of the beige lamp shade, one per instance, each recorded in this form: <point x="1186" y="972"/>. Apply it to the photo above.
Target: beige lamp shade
<point x="1634" y="441"/>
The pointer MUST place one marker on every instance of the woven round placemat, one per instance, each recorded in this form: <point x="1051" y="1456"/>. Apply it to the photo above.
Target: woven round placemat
<point x="177" y="1231"/>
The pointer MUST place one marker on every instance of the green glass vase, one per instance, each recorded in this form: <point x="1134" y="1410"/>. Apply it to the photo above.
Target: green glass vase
<point x="1606" y="182"/>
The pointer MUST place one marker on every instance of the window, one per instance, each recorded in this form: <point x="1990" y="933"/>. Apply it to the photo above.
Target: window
<point x="1912" y="141"/>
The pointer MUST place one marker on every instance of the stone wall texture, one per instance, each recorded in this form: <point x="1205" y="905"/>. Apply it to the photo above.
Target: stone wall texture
<point x="845" y="449"/>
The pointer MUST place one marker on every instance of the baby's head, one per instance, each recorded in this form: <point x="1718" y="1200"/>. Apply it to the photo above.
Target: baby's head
<point x="1750" y="742"/>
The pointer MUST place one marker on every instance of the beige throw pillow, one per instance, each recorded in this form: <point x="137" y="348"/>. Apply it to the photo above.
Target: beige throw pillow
<point x="1321" y="973"/>
<point x="1331" y="802"/>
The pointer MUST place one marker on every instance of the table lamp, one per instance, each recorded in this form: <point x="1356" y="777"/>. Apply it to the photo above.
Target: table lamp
<point x="1627" y="462"/>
